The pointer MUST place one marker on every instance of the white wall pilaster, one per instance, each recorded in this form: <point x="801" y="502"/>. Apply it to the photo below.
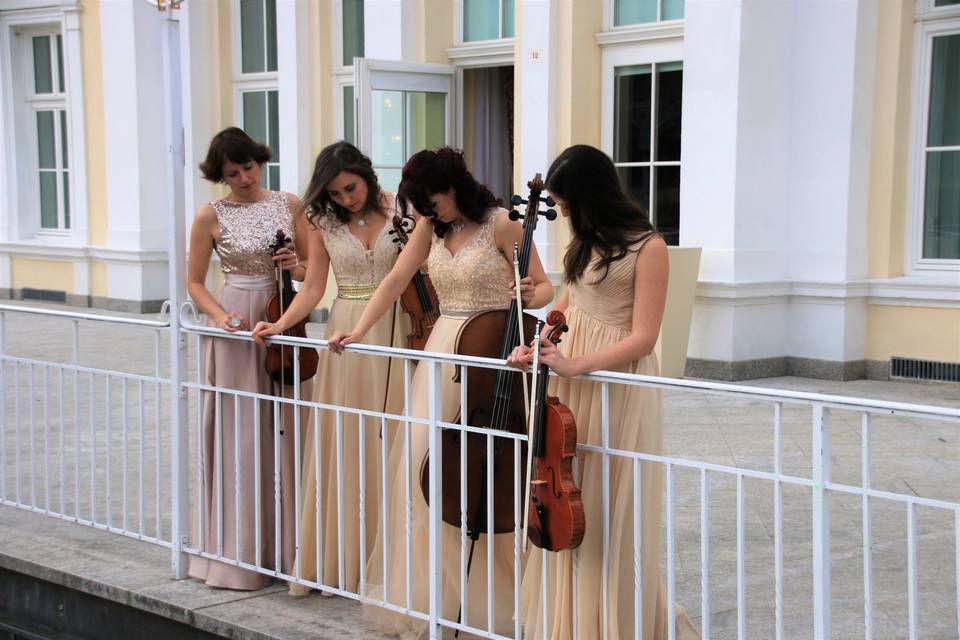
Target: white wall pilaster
<point x="294" y="100"/>
<point x="390" y="30"/>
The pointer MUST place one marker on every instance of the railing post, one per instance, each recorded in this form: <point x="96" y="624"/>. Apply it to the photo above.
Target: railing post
<point x="434" y="433"/>
<point x="176" y="252"/>
<point x="821" y="523"/>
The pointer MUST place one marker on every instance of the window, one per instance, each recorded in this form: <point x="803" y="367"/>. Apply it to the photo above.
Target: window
<point x="628" y="12"/>
<point x="487" y="19"/>
<point x="256" y="83"/>
<point x="936" y="176"/>
<point x="48" y="106"/>
<point x="646" y="139"/>
<point x="350" y="30"/>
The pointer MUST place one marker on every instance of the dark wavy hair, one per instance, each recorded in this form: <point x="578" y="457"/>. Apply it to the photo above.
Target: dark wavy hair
<point x="235" y="145"/>
<point x="430" y="172"/>
<point x="604" y="218"/>
<point x="334" y="158"/>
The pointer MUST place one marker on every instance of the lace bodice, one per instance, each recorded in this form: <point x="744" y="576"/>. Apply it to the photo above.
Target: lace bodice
<point x="248" y="231"/>
<point x="352" y="264"/>
<point x="477" y="276"/>
<point x="610" y="300"/>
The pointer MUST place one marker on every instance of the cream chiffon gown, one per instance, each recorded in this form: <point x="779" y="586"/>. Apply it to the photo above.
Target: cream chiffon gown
<point x="246" y="233"/>
<point x="476" y="278"/>
<point x="366" y="382"/>
<point x="599" y="314"/>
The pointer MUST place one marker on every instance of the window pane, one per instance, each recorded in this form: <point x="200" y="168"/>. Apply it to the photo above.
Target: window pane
<point x="945" y="3"/>
<point x="634" y="11"/>
<point x="669" y="102"/>
<point x="255" y="115"/>
<point x="668" y="203"/>
<point x="274" y="181"/>
<point x="251" y="36"/>
<point x="671" y="10"/>
<point x="64" y="158"/>
<point x="425" y="116"/>
<point x="48" y="199"/>
<point x="636" y="182"/>
<point x="273" y="140"/>
<point x="941" y="219"/>
<point x="508" y="18"/>
<point x="60" y="85"/>
<point x="271" y="11"/>
<point x="944" y="128"/>
<point x="631" y="118"/>
<point x="481" y="20"/>
<point x="348" y="132"/>
<point x="65" y="177"/>
<point x="387" y="121"/>
<point x="42" y="73"/>
<point x="352" y="31"/>
<point x="46" y="141"/>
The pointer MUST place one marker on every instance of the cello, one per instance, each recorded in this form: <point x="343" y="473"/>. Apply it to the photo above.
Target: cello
<point x="279" y="360"/>
<point x="495" y="400"/>
<point x="554" y="519"/>
<point x="419" y="299"/>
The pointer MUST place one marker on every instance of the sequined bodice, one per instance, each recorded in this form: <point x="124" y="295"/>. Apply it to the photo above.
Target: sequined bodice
<point x="609" y="300"/>
<point x="353" y="264"/>
<point x="477" y="276"/>
<point x="248" y="231"/>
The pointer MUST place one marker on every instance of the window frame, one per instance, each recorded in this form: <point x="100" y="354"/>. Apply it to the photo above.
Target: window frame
<point x="482" y="45"/>
<point x="342" y="75"/>
<point x="19" y="103"/>
<point x="609" y="12"/>
<point x="250" y="82"/>
<point x="661" y="51"/>
<point x="931" y="22"/>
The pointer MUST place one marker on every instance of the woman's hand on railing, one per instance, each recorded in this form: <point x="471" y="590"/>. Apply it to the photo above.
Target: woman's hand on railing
<point x="520" y="358"/>
<point x="263" y="330"/>
<point x="339" y="340"/>
<point x="232" y="322"/>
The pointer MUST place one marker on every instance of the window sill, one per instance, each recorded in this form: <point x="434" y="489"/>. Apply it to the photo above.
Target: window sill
<point x="483" y="50"/>
<point x="668" y="30"/>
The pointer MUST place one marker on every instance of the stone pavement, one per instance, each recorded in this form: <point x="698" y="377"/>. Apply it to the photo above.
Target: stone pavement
<point x="909" y="456"/>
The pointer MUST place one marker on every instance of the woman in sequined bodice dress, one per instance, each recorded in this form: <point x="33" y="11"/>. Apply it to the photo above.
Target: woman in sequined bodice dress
<point x="350" y="218"/>
<point x="242" y="228"/>
<point x="465" y="240"/>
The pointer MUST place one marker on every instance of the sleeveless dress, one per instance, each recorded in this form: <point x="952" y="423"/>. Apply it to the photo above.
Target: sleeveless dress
<point x="247" y="232"/>
<point x="473" y="279"/>
<point x="600" y="313"/>
<point x="350" y="380"/>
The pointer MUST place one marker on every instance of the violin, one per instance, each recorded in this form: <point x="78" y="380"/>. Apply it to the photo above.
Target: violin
<point x="555" y="519"/>
<point x="495" y="400"/>
<point x="419" y="299"/>
<point x="279" y="361"/>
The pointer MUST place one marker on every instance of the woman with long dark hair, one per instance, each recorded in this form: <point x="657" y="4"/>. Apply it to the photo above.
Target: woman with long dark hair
<point x="467" y="242"/>
<point x="616" y="273"/>
<point x="350" y="218"/>
<point x="241" y="227"/>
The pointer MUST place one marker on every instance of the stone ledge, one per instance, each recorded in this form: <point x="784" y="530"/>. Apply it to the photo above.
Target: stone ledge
<point x="776" y="367"/>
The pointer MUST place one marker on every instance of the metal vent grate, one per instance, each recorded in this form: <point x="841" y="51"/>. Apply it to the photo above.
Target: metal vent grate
<point x="913" y="369"/>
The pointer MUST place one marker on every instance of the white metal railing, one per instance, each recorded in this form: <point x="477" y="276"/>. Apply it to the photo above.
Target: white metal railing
<point x="38" y="462"/>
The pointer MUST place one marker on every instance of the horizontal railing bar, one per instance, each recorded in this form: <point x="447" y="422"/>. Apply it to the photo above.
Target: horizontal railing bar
<point x="85" y="522"/>
<point x="898" y="497"/>
<point x="82" y="369"/>
<point x="76" y="315"/>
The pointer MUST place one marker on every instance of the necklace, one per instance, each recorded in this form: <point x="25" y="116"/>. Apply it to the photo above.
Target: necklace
<point x="362" y="220"/>
<point x="457" y="226"/>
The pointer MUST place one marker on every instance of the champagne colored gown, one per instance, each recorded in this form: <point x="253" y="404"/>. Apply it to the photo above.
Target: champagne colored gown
<point x="600" y="313"/>
<point x="247" y="233"/>
<point x="354" y="380"/>
<point x="473" y="279"/>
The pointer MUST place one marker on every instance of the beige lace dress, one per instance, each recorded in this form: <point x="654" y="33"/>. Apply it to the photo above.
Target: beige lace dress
<point x="354" y="380"/>
<point x="473" y="279"/>
<point x="246" y="233"/>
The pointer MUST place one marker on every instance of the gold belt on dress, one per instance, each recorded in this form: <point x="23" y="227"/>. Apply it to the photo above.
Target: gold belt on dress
<point x="356" y="291"/>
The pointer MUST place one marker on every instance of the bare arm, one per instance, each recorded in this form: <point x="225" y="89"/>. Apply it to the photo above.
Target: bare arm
<point x="202" y="235"/>
<point x="390" y="288"/>
<point x="535" y="290"/>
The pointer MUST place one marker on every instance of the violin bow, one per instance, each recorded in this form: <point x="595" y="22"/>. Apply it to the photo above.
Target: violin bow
<point x="532" y="412"/>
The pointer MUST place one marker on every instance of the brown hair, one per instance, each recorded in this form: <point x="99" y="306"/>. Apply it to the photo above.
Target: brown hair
<point x="334" y="158"/>
<point x="235" y="145"/>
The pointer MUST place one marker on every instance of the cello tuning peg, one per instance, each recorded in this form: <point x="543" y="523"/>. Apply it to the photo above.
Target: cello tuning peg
<point x="514" y="215"/>
<point x="550" y="202"/>
<point x="517" y="201"/>
<point x="550" y="214"/>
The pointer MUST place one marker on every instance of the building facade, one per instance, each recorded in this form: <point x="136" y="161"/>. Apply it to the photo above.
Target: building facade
<point x="810" y="148"/>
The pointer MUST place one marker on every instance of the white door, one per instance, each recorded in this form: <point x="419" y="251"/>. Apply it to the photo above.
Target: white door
<point x="401" y="108"/>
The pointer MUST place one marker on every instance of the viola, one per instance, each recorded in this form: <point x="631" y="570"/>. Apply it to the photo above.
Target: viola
<point x="419" y="299"/>
<point x="555" y="519"/>
<point x="279" y="361"/>
<point x="495" y="400"/>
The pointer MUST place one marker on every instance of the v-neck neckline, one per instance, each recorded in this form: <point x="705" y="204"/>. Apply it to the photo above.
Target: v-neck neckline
<point x="376" y="239"/>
